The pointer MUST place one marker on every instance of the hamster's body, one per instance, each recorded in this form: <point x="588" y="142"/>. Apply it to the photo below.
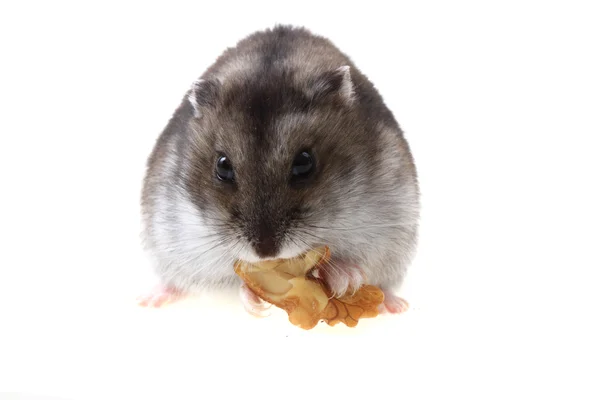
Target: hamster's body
<point x="282" y="102"/>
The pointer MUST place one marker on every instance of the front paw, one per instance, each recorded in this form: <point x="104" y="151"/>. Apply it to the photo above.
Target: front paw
<point x="341" y="277"/>
<point x="393" y="304"/>
<point x="253" y="304"/>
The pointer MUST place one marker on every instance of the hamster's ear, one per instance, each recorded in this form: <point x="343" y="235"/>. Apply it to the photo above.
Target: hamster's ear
<point x="337" y="82"/>
<point x="203" y="94"/>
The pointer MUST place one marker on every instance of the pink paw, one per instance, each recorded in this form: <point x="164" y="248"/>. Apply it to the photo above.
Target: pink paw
<point x="253" y="304"/>
<point x="341" y="277"/>
<point x="392" y="304"/>
<point x="158" y="297"/>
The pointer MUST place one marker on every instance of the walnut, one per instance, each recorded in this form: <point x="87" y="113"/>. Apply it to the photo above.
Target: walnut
<point x="290" y="285"/>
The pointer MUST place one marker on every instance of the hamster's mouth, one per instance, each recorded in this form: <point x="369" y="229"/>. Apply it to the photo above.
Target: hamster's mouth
<point x="287" y="252"/>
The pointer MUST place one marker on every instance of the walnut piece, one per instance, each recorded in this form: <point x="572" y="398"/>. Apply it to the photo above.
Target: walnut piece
<point x="290" y="285"/>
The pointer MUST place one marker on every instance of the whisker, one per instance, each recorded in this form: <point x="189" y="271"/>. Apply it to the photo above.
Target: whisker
<point x="173" y="246"/>
<point x="311" y="234"/>
<point x="214" y="263"/>
<point x="352" y="228"/>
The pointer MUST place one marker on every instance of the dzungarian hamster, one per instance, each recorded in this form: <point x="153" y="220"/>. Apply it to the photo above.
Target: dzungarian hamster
<point x="282" y="145"/>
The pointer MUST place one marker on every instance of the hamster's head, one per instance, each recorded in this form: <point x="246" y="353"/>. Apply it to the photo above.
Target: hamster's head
<point x="280" y="165"/>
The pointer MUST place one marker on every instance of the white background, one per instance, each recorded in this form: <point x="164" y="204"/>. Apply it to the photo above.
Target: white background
<point x="500" y="102"/>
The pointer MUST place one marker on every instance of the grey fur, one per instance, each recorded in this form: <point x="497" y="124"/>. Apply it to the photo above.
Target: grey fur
<point x="275" y="93"/>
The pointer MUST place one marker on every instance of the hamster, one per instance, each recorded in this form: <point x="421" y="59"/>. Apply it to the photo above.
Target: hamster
<point x="282" y="145"/>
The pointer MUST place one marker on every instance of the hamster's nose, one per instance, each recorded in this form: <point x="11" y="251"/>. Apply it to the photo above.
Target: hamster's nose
<point x="266" y="244"/>
<point x="266" y="247"/>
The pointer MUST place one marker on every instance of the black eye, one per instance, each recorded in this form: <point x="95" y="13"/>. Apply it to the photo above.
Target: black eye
<point x="224" y="169"/>
<point x="303" y="165"/>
